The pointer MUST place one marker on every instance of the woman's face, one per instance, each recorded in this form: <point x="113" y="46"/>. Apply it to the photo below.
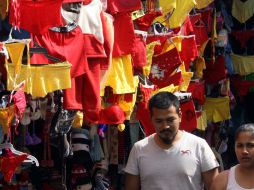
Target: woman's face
<point x="244" y="149"/>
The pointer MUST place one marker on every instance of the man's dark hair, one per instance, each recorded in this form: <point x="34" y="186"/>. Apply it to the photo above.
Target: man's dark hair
<point x="249" y="127"/>
<point x="163" y="100"/>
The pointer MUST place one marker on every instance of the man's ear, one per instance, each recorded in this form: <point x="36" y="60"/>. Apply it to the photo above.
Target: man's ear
<point x="180" y="113"/>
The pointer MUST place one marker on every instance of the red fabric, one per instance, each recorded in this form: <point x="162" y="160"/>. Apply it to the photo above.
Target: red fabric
<point x="139" y="53"/>
<point x="68" y="46"/>
<point x="143" y="23"/>
<point x="163" y="66"/>
<point x="143" y="113"/>
<point x="187" y="28"/>
<point x="8" y="165"/>
<point x="74" y="1"/>
<point x="189" y="51"/>
<point x="3" y="69"/>
<point x="112" y="115"/>
<point x="189" y="118"/>
<point x="199" y="29"/>
<point x="19" y="99"/>
<point x="124" y="37"/>
<point x="85" y="92"/>
<point x="243" y="36"/>
<point x="242" y="86"/>
<point x="197" y="90"/>
<point x="35" y="16"/>
<point x="215" y="72"/>
<point x="119" y="6"/>
<point x="206" y="16"/>
<point x="162" y="39"/>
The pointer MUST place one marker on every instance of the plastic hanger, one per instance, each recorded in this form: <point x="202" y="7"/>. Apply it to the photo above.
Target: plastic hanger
<point x="31" y="159"/>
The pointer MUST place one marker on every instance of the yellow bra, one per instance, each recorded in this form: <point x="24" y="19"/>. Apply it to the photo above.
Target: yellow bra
<point x="242" y="11"/>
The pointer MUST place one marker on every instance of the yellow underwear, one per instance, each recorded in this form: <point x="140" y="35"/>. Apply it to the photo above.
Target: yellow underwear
<point x="183" y="8"/>
<point x="128" y="107"/>
<point x="200" y="66"/>
<point x="5" y="121"/>
<point x="243" y="65"/>
<point x="203" y="3"/>
<point x="242" y="11"/>
<point x="149" y="57"/>
<point x="120" y="75"/>
<point x="202" y="121"/>
<point x="217" y="109"/>
<point x="39" y="79"/>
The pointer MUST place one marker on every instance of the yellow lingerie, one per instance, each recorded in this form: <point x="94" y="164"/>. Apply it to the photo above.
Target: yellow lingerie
<point x="128" y="107"/>
<point x="217" y="109"/>
<point x="39" y="79"/>
<point x="202" y="121"/>
<point x="3" y="9"/>
<point x="5" y="120"/>
<point x="167" y="7"/>
<point x="120" y="75"/>
<point x="242" y="11"/>
<point x="149" y="57"/>
<point x="243" y="65"/>
<point x="174" y="42"/>
<point x="203" y="3"/>
<point x="183" y="8"/>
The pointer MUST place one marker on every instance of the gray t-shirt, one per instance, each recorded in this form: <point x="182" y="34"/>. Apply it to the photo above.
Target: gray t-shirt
<point x="177" y="168"/>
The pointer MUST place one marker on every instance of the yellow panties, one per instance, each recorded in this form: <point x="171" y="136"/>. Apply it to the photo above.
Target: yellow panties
<point x="217" y="109"/>
<point x="39" y="79"/>
<point x="243" y="65"/>
<point x="128" y="107"/>
<point x="120" y="75"/>
<point x="5" y="121"/>
<point x="203" y="3"/>
<point x="149" y="57"/>
<point x="242" y="11"/>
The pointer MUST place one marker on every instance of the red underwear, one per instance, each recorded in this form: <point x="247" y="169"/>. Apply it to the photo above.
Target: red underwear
<point x="197" y="90"/>
<point x="189" y="118"/>
<point x="139" y="52"/>
<point x="119" y="6"/>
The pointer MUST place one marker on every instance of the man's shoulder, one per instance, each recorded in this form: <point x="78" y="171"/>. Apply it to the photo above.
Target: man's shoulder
<point x="144" y="142"/>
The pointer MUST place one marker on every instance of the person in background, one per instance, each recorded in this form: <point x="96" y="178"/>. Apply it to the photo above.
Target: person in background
<point x="170" y="158"/>
<point x="240" y="176"/>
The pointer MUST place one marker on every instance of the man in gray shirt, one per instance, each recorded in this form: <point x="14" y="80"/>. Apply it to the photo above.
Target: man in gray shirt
<point x="170" y="158"/>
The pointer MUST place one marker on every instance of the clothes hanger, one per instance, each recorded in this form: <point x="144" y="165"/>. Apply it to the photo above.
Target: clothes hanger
<point x="31" y="159"/>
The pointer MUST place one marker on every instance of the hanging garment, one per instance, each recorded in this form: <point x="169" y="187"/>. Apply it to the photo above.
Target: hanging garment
<point x="243" y="36"/>
<point x="6" y="117"/>
<point x="243" y="65"/>
<point x="242" y="11"/>
<point x="39" y="80"/>
<point x="35" y="16"/>
<point x="118" y="6"/>
<point x="197" y="90"/>
<point x="217" y="109"/>
<point x="203" y="3"/>
<point x="189" y="118"/>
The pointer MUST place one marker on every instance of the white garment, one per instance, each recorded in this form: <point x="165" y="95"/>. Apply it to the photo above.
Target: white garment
<point x="232" y="184"/>
<point x="177" y="168"/>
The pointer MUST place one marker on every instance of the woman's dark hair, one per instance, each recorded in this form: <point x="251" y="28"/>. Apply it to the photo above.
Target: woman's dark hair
<point x="163" y="100"/>
<point x="249" y="127"/>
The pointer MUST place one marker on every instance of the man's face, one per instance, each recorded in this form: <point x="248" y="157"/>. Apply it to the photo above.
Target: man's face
<point x="166" y="123"/>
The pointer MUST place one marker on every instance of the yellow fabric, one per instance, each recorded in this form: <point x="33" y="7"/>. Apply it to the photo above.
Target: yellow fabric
<point x="203" y="3"/>
<point x="3" y="9"/>
<point x="78" y="120"/>
<point x="200" y="66"/>
<point x="39" y="79"/>
<point x="128" y="107"/>
<point x="15" y="51"/>
<point x="202" y="121"/>
<point x="170" y="88"/>
<point x="217" y="109"/>
<point x="120" y="75"/>
<point x="149" y="56"/>
<point x="175" y="42"/>
<point x="243" y="65"/>
<point x="202" y="48"/>
<point x="5" y="121"/>
<point x="242" y="11"/>
<point x="186" y="80"/>
<point x="183" y="8"/>
<point x="121" y="127"/>
<point x="167" y="7"/>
